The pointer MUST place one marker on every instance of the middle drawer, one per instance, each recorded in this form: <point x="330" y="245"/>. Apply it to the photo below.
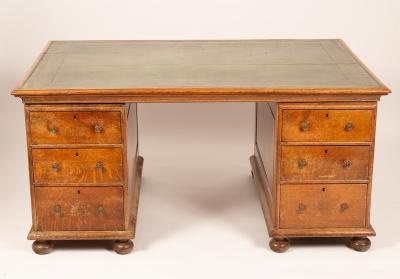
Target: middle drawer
<point x="305" y="163"/>
<point x="77" y="165"/>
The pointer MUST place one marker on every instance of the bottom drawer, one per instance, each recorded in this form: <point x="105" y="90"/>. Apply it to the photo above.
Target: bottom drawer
<point x="79" y="208"/>
<point x="323" y="206"/>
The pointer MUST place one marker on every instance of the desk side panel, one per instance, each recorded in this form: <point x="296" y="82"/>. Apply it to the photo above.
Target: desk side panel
<point x="265" y="150"/>
<point x="132" y="163"/>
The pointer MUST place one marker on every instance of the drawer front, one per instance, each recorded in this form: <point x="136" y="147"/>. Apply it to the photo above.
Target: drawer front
<point x="323" y="206"/>
<point x="326" y="125"/>
<point x="69" y="165"/>
<point x="299" y="163"/>
<point x="75" y="127"/>
<point x="79" y="208"/>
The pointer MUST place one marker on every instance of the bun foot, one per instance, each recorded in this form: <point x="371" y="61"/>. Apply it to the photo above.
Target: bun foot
<point x="123" y="247"/>
<point x="279" y="245"/>
<point x="41" y="247"/>
<point x="360" y="244"/>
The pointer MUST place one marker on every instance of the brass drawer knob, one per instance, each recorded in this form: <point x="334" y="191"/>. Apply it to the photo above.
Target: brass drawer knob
<point x="56" y="167"/>
<point x="346" y="164"/>
<point x="348" y="127"/>
<point x="302" y="163"/>
<point x="57" y="209"/>
<point x="100" y="209"/>
<point x="98" y="128"/>
<point x="304" y="126"/>
<point x="300" y="209"/>
<point x="54" y="130"/>
<point x="343" y="207"/>
<point x="99" y="165"/>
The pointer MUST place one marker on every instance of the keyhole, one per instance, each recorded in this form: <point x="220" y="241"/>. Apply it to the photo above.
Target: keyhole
<point x="327" y="115"/>
<point x="79" y="191"/>
<point x="323" y="189"/>
<point x="326" y="151"/>
<point x="74" y="117"/>
<point x="76" y="154"/>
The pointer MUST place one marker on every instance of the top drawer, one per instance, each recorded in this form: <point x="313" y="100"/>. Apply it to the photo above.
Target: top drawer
<point x="75" y="127"/>
<point x="326" y="125"/>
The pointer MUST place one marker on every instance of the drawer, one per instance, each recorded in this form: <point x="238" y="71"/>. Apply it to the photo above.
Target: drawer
<point x="326" y="125"/>
<point x="77" y="165"/>
<point x="75" y="127"/>
<point x="302" y="163"/>
<point x="323" y="206"/>
<point x="79" y="208"/>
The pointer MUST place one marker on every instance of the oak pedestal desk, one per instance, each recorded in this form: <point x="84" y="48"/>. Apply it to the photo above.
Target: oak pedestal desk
<point x="315" y="107"/>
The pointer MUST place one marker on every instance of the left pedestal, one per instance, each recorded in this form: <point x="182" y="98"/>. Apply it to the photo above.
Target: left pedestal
<point x="85" y="173"/>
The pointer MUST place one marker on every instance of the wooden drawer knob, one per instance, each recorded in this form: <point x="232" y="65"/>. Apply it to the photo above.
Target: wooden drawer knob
<point x="99" y="165"/>
<point x="304" y="126"/>
<point x="343" y="207"/>
<point x="100" y="209"/>
<point x="346" y="164"/>
<point x="302" y="163"/>
<point x="56" y="167"/>
<point x="54" y="130"/>
<point x="98" y="128"/>
<point x="57" y="209"/>
<point x="348" y="127"/>
<point x="300" y="209"/>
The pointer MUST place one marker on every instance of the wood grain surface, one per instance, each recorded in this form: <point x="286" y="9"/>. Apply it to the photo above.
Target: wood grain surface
<point x="75" y="127"/>
<point x="326" y="125"/>
<point x="323" y="206"/>
<point x="331" y="163"/>
<point x="77" y="165"/>
<point x="79" y="208"/>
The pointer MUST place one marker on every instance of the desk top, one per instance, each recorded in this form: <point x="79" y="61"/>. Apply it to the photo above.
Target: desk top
<point x="186" y="68"/>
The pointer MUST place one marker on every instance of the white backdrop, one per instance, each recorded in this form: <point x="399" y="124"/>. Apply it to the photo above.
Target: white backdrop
<point x="199" y="213"/>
